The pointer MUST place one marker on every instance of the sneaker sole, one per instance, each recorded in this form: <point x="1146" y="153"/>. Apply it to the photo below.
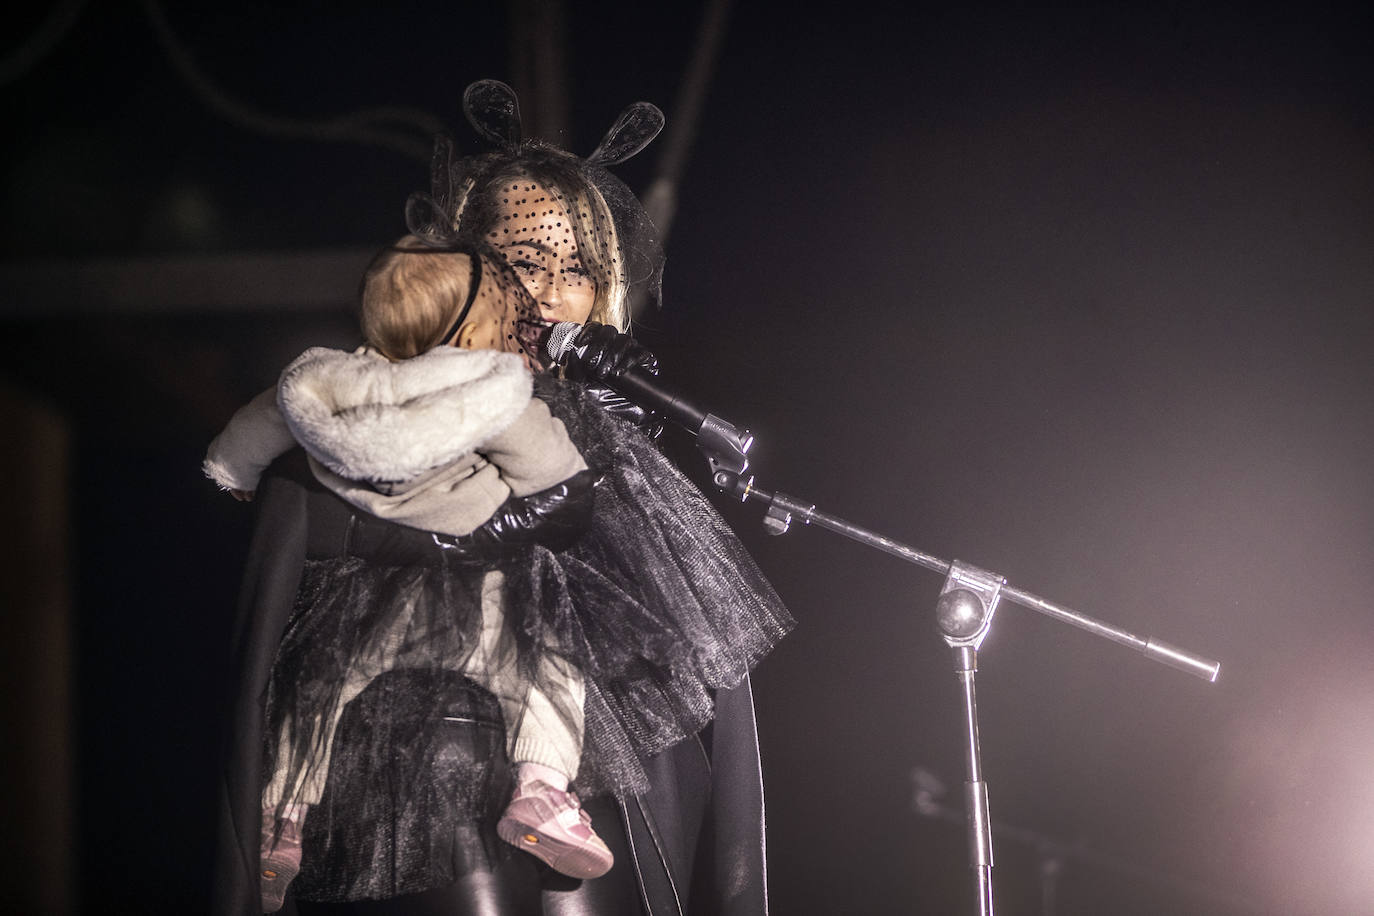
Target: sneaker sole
<point x="564" y="858"/>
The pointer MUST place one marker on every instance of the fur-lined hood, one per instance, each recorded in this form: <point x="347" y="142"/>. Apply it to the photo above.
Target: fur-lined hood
<point x="369" y="419"/>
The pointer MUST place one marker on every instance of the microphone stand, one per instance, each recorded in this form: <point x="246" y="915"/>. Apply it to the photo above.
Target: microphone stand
<point x="963" y="612"/>
<point x="1055" y="855"/>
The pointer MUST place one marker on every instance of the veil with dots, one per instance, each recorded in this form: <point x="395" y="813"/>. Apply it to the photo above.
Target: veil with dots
<point x="616" y="242"/>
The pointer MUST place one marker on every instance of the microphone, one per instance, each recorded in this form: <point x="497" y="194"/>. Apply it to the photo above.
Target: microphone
<point x="724" y="445"/>
<point x="635" y="383"/>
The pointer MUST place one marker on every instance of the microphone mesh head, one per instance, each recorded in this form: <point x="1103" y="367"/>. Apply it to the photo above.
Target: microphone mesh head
<point x="560" y="341"/>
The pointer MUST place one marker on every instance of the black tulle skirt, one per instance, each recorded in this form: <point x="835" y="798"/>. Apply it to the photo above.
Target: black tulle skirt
<point x="656" y="605"/>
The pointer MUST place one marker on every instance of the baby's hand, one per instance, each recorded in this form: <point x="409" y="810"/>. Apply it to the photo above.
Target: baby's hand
<point x="243" y="496"/>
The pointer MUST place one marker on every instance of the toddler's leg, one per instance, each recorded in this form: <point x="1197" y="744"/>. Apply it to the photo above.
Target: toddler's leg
<point x="542" y="733"/>
<point x="527" y="773"/>
<point x="281" y="853"/>
<point x="307" y="786"/>
<point x="543" y="817"/>
<point x="540" y="729"/>
<point x="282" y="827"/>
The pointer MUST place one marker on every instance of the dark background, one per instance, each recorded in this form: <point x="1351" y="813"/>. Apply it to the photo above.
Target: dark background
<point x="1083" y="297"/>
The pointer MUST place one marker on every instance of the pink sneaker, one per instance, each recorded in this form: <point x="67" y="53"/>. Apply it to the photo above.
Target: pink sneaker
<point x="281" y="860"/>
<point x="551" y="825"/>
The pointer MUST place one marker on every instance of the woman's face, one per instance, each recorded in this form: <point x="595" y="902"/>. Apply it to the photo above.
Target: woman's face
<point x="535" y="233"/>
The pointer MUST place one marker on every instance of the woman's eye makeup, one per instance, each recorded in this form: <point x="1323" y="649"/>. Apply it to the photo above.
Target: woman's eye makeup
<point x="534" y="264"/>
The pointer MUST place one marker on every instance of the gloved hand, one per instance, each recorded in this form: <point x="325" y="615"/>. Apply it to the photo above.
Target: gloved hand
<point x="608" y="354"/>
<point x="554" y="518"/>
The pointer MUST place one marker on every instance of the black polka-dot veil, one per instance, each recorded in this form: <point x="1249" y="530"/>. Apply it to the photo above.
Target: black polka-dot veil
<point x="581" y="221"/>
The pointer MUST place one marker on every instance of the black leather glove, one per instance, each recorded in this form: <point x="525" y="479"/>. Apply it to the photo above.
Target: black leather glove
<point x="608" y="354"/>
<point x="554" y="518"/>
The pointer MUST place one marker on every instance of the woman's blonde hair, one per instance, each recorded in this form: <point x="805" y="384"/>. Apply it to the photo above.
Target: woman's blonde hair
<point x="411" y="295"/>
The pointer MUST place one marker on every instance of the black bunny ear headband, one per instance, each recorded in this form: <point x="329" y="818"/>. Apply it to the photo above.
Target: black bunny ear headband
<point x="494" y="112"/>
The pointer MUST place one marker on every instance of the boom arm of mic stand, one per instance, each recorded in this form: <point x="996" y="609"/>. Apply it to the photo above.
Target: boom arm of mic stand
<point x="782" y="510"/>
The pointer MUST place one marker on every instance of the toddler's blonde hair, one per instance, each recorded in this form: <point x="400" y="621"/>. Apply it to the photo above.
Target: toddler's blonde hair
<point x="411" y="294"/>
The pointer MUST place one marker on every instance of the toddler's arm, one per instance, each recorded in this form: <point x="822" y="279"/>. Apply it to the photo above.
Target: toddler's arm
<point x="254" y="437"/>
<point x="534" y="453"/>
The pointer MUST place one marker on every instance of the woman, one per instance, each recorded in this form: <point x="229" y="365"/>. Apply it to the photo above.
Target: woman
<point x="409" y="818"/>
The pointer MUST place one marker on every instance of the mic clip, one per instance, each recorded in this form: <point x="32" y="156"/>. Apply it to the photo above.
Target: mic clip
<point x="726" y="449"/>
